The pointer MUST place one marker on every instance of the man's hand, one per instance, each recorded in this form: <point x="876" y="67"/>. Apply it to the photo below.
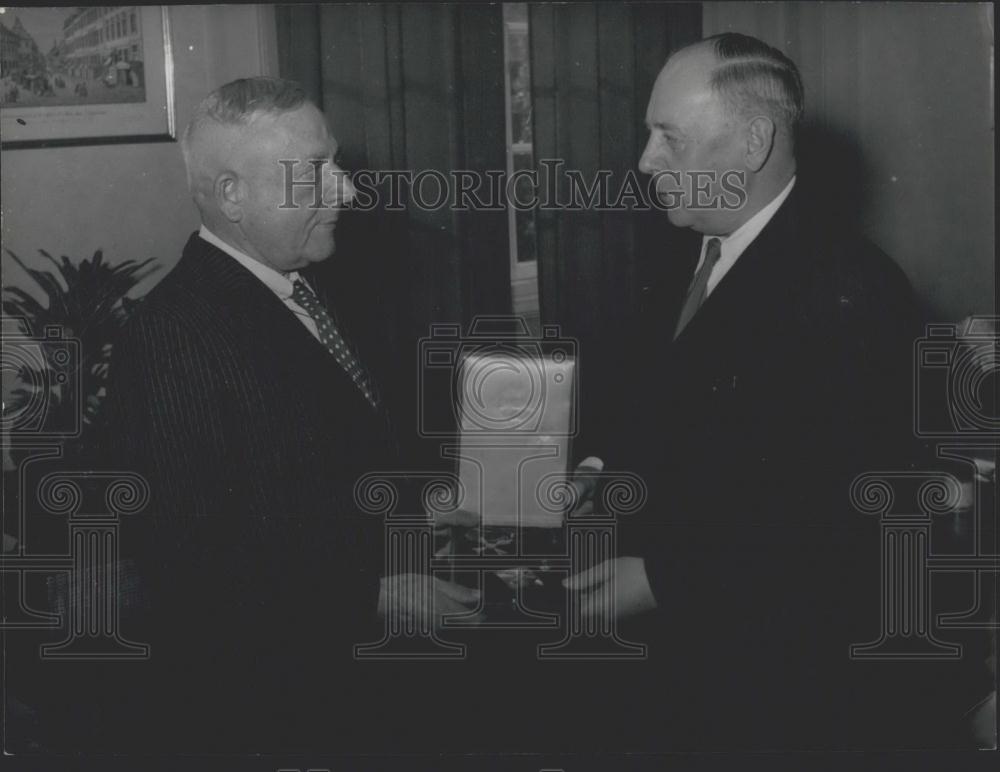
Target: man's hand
<point x="982" y="721"/>
<point x="613" y="589"/>
<point x="584" y="480"/>
<point x="421" y="601"/>
<point x="452" y="529"/>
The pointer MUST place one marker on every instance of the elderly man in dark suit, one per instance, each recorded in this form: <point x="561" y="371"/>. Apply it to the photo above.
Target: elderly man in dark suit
<point x="776" y="376"/>
<point x="235" y="389"/>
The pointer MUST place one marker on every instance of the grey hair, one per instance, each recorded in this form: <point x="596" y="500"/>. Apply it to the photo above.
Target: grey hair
<point x="238" y="102"/>
<point x="754" y="77"/>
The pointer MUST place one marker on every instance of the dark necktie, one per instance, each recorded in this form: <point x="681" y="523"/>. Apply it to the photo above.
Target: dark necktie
<point x="699" y="285"/>
<point x="334" y="342"/>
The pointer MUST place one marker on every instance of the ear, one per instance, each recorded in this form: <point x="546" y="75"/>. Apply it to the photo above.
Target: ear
<point x="230" y="195"/>
<point x="760" y="142"/>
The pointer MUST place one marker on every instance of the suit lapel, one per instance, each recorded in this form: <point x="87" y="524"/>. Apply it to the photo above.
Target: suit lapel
<point x="253" y="306"/>
<point x="747" y="289"/>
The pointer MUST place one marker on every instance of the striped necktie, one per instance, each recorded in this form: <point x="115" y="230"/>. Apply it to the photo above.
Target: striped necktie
<point x="699" y="285"/>
<point x="334" y="342"/>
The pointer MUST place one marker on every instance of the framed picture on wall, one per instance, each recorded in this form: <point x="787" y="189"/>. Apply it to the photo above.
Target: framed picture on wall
<point x="85" y="76"/>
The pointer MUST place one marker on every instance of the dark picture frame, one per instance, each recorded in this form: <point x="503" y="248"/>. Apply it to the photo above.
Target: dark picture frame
<point x="129" y="101"/>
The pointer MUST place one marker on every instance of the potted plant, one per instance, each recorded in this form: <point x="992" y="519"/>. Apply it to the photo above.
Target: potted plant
<point x="86" y="302"/>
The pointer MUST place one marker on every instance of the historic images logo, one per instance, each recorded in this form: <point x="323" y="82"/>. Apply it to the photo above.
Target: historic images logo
<point x="87" y="586"/>
<point x="956" y="368"/>
<point x="550" y="187"/>
<point x="502" y="405"/>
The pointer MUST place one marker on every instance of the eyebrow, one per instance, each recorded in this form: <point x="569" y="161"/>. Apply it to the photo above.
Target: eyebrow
<point x="312" y="158"/>
<point x="662" y="126"/>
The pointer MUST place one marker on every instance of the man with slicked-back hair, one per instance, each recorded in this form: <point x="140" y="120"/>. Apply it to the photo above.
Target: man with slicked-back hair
<point x="762" y="385"/>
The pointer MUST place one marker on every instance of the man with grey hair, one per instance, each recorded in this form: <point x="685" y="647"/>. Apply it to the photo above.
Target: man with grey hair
<point x="779" y="371"/>
<point x="236" y="390"/>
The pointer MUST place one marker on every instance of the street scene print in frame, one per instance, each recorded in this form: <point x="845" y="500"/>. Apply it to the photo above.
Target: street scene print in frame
<point x="85" y="76"/>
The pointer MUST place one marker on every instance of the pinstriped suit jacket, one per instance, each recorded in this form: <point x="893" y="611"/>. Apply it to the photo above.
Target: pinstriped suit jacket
<point x="260" y="570"/>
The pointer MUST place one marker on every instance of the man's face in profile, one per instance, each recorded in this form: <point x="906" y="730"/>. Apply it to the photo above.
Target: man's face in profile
<point x="290" y="238"/>
<point x="690" y="130"/>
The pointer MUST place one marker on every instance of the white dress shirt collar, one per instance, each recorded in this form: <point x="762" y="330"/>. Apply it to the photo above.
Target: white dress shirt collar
<point x="735" y="243"/>
<point x="279" y="283"/>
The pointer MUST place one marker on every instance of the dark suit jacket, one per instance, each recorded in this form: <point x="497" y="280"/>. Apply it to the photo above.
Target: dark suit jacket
<point x="261" y="571"/>
<point x="793" y="377"/>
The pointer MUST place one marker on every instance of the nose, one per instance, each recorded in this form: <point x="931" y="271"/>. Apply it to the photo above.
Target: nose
<point x="647" y="162"/>
<point x="341" y="190"/>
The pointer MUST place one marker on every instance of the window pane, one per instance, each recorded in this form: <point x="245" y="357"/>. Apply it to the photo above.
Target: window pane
<point x="520" y="155"/>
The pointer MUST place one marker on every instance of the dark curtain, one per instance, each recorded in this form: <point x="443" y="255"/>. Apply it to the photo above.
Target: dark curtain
<point x="593" y="67"/>
<point x="408" y="87"/>
<point x="416" y="87"/>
